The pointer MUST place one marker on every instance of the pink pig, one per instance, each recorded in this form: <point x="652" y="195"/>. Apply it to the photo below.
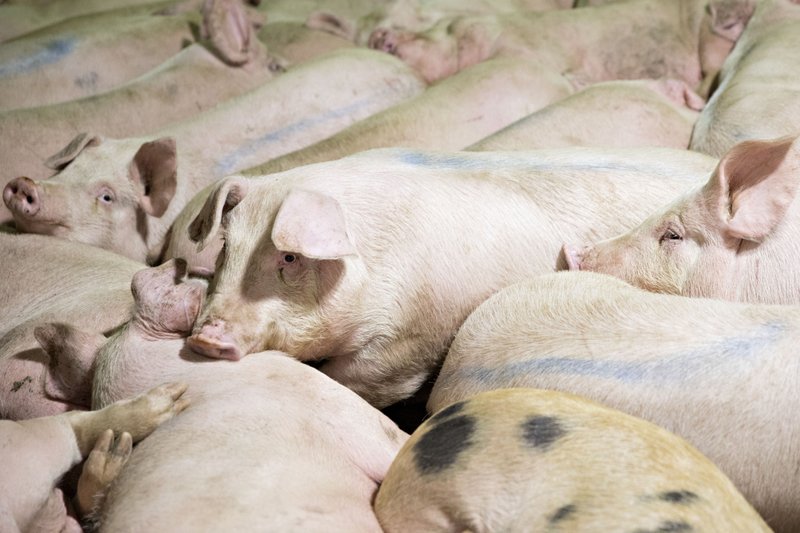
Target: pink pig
<point x="734" y="237"/>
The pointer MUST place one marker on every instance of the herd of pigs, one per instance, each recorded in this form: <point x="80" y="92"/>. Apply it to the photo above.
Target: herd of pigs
<point x="246" y="246"/>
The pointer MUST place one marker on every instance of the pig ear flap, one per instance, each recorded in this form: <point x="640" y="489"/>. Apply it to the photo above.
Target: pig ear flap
<point x="154" y="170"/>
<point x="72" y="150"/>
<point x="71" y="368"/>
<point x="754" y="185"/>
<point x="312" y="224"/>
<point x="330" y="23"/>
<point x="229" y="28"/>
<point x="211" y="217"/>
<point x="730" y="17"/>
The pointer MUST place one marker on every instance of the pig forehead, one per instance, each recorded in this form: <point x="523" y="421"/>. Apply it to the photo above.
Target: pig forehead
<point x="98" y="163"/>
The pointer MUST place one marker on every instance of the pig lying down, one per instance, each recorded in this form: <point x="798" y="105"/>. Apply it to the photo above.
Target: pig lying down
<point x="51" y="280"/>
<point x="36" y="453"/>
<point x="734" y="237"/>
<point x="531" y="460"/>
<point x="123" y="194"/>
<point x="724" y="376"/>
<point x="759" y="93"/>
<point x="373" y="261"/>
<point x="287" y="447"/>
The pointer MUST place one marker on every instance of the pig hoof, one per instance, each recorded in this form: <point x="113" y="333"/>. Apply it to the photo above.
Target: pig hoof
<point x="103" y="465"/>
<point x="383" y="39"/>
<point x="213" y="348"/>
<point x="155" y="407"/>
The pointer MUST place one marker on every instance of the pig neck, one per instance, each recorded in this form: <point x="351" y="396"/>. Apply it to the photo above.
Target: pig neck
<point x="135" y="359"/>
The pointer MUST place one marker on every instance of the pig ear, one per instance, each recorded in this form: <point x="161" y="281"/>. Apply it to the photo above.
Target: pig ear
<point x="229" y="28"/>
<point x="71" y="151"/>
<point x="71" y="367"/>
<point x="330" y="23"/>
<point x="312" y="224"/>
<point x="730" y="17"/>
<point x="755" y="182"/>
<point x="223" y="198"/>
<point x="155" y="170"/>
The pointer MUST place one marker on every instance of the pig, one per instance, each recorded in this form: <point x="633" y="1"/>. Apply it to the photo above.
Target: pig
<point x="193" y="80"/>
<point x="21" y="18"/>
<point x="758" y="96"/>
<point x="468" y="107"/>
<point x="729" y="377"/>
<point x="51" y="280"/>
<point x="287" y="446"/>
<point x="614" y="113"/>
<point x="86" y="57"/>
<point x="123" y="194"/>
<point x="626" y="40"/>
<point x="731" y="238"/>
<point x="371" y="262"/>
<point x="36" y="453"/>
<point x="416" y="15"/>
<point x="551" y="461"/>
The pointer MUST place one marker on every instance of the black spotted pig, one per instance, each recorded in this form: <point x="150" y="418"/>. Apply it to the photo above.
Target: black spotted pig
<point x="36" y="453"/>
<point x="735" y="237"/>
<point x="374" y="260"/>
<point x="530" y="460"/>
<point x="722" y="375"/>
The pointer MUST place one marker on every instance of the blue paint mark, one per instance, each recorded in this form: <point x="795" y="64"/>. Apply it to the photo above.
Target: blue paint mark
<point x="464" y="162"/>
<point x="677" y="368"/>
<point x="53" y="52"/>
<point x="230" y="162"/>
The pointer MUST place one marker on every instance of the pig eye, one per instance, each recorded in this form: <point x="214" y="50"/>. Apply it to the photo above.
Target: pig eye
<point x="670" y="235"/>
<point x="106" y="196"/>
<point x="289" y="258"/>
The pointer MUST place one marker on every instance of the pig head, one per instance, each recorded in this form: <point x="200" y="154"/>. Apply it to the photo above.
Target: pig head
<point x="733" y="238"/>
<point x="107" y="194"/>
<point x="277" y="288"/>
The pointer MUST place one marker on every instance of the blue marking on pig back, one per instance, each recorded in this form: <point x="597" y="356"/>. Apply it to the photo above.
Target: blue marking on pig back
<point x="675" y="368"/>
<point x="53" y="52"/>
<point x="230" y="162"/>
<point x="443" y="161"/>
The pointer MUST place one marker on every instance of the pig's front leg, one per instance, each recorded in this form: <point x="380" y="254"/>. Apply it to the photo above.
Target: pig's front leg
<point x="139" y="416"/>
<point x="101" y="468"/>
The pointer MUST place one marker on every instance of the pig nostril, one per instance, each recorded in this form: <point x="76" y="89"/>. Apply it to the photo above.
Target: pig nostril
<point x="14" y="190"/>
<point x="29" y="198"/>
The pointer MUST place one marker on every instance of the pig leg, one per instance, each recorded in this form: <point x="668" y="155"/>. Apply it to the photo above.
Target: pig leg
<point x="101" y="468"/>
<point x="139" y="416"/>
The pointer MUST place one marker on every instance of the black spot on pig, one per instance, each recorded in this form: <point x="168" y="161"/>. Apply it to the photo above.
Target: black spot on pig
<point x="87" y="81"/>
<point x="678" y="496"/>
<point x="440" y="447"/>
<point x="668" y="527"/>
<point x="447" y="412"/>
<point x="541" y="431"/>
<point x="18" y="384"/>
<point x="562" y="514"/>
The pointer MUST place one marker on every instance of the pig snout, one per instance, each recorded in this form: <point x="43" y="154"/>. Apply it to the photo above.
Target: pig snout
<point x="21" y="196"/>
<point x="384" y="40"/>
<point x="573" y="256"/>
<point x="213" y="341"/>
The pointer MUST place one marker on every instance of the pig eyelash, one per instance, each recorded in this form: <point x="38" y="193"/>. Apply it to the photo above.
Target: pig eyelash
<point x="670" y="235"/>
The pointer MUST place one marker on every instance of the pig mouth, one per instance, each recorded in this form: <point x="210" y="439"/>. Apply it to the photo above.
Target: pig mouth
<point x="39" y="225"/>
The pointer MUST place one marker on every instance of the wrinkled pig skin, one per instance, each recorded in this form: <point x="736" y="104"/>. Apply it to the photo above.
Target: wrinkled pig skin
<point x="713" y="372"/>
<point x="550" y="461"/>
<point x="759" y="92"/>
<point x="402" y="245"/>
<point x="613" y="114"/>
<point x="36" y="453"/>
<point x="628" y="40"/>
<point x="733" y="237"/>
<point x="50" y="280"/>
<point x="123" y="194"/>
